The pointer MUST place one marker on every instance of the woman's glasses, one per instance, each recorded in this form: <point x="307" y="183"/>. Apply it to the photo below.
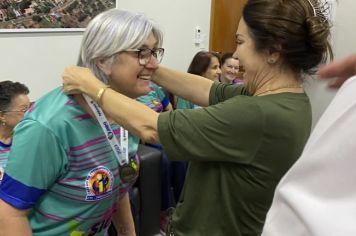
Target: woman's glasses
<point x="21" y="110"/>
<point x="145" y="54"/>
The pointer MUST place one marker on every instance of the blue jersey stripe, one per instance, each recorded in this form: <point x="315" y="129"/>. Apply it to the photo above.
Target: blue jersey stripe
<point x="165" y="102"/>
<point x="17" y="194"/>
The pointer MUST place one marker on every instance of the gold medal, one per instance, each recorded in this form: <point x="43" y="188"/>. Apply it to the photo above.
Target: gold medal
<point x="128" y="172"/>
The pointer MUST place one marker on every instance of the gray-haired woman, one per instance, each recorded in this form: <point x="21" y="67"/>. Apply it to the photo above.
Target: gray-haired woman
<point x="69" y="175"/>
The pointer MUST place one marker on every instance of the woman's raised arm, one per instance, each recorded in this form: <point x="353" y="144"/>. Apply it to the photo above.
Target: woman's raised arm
<point x="188" y="86"/>
<point x="137" y="118"/>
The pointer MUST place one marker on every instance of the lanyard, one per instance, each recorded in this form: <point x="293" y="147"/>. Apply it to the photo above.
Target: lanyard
<point x="122" y="156"/>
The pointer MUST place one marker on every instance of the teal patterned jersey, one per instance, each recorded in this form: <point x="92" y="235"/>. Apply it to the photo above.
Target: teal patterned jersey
<point x="156" y="99"/>
<point x="62" y="167"/>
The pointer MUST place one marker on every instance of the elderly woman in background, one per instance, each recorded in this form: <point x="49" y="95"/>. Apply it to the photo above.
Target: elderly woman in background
<point x="71" y="174"/>
<point x="14" y="102"/>
<point x="247" y="137"/>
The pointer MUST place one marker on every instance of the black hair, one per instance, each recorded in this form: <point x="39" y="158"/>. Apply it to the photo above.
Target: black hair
<point x="8" y="91"/>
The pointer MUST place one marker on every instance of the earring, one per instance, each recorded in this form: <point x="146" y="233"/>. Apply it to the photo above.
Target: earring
<point x="3" y="123"/>
<point x="271" y="61"/>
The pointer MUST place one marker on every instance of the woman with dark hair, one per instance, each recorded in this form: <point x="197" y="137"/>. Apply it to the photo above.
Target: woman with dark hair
<point x="14" y="102"/>
<point x="206" y="64"/>
<point x="246" y="138"/>
<point x="230" y="67"/>
<point x="321" y="181"/>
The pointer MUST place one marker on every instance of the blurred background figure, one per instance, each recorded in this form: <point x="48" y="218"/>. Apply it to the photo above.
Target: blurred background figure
<point x="230" y="69"/>
<point x="206" y="64"/>
<point x="14" y="102"/>
<point x="158" y="100"/>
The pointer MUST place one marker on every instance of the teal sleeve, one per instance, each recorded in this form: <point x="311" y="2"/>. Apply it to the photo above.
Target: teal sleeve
<point x="37" y="157"/>
<point x="184" y="104"/>
<point x="159" y="92"/>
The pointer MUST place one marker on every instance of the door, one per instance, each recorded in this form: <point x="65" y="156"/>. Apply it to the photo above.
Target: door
<point x="225" y="16"/>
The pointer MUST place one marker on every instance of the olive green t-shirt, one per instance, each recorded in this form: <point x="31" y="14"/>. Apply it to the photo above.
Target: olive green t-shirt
<point x="239" y="148"/>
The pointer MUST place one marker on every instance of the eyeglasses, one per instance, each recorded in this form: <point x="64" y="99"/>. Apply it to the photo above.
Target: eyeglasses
<point x="22" y="110"/>
<point x="145" y="54"/>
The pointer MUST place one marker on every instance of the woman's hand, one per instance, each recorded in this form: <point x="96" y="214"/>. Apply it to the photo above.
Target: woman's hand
<point x="80" y="80"/>
<point x="340" y="70"/>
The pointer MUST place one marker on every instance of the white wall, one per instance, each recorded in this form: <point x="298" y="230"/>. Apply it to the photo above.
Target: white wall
<point x="178" y="19"/>
<point x="344" y="43"/>
<point x="38" y="59"/>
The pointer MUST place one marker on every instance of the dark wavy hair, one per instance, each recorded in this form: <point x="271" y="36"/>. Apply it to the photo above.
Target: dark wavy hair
<point x="227" y="56"/>
<point x="201" y="61"/>
<point x="8" y="91"/>
<point x="299" y="31"/>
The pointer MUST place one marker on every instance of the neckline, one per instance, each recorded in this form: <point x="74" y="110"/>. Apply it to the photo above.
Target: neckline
<point x="5" y="145"/>
<point x="280" y="88"/>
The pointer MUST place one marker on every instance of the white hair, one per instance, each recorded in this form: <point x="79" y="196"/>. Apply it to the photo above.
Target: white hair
<point x="113" y="31"/>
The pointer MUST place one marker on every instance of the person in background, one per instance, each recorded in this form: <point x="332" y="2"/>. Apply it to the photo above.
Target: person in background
<point x="321" y="181"/>
<point x="229" y="69"/>
<point x="14" y="102"/>
<point x="69" y="176"/>
<point x="158" y="101"/>
<point x="206" y="64"/>
<point x="244" y="138"/>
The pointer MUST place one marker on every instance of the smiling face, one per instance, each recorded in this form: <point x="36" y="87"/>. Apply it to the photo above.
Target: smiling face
<point x="230" y="68"/>
<point x="213" y="70"/>
<point x="126" y="75"/>
<point x="254" y="62"/>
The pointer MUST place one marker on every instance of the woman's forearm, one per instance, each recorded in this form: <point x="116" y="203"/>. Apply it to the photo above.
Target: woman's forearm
<point x="188" y="86"/>
<point x="13" y="222"/>
<point x="122" y="218"/>
<point x="136" y="117"/>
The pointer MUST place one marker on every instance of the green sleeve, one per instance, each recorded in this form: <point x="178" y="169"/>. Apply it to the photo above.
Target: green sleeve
<point x="37" y="158"/>
<point x="220" y="92"/>
<point x="229" y="131"/>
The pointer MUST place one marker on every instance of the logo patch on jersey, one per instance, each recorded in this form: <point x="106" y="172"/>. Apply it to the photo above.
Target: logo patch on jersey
<point x="99" y="183"/>
<point x="156" y="105"/>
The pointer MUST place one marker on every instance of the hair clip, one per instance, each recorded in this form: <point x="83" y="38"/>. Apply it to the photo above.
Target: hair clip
<point x="322" y="10"/>
<point x="314" y="11"/>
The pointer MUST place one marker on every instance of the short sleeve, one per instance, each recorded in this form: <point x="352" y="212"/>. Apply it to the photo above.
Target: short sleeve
<point x="220" y="92"/>
<point x="230" y="131"/>
<point x="36" y="160"/>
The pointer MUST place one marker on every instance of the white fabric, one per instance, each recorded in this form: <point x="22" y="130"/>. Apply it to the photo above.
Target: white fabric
<point x="318" y="195"/>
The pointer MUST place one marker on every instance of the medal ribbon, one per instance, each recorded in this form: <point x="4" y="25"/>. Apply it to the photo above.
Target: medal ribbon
<point x="122" y="155"/>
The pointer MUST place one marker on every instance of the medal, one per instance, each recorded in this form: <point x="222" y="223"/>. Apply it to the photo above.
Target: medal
<point x="127" y="173"/>
<point x="128" y="169"/>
